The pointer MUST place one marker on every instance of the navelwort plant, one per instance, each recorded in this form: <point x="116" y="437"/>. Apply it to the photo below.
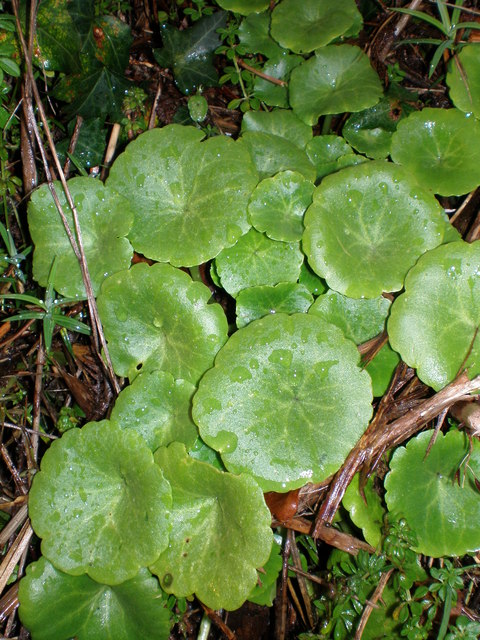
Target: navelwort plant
<point x="307" y="235"/>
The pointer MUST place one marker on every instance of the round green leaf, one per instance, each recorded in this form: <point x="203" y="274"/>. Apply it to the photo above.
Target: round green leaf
<point x="434" y="324"/>
<point x="338" y="78"/>
<point x="275" y="406"/>
<point x="105" y="217"/>
<point x="257" y="260"/>
<point x="441" y="147"/>
<point x="278" y="204"/>
<point x="463" y="79"/>
<point x="244" y="7"/>
<point x="311" y="281"/>
<point x="100" y="503"/>
<point x="330" y="153"/>
<point x="157" y="318"/>
<point x="57" y="606"/>
<point x="381" y="369"/>
<point x="359" y="319"/>
<point x="305" y="25"/>
<point x="254" y="35"/>
<point x="286" y="297"/>
<point x="366" y="516"/>
<point x="370" y="131"/>
<point x="278" y="67"/>
<point x="168" y="175"/>
<point x="157" y="407"/>
<point x="280" y="122"/>
<point x="367" y="226"/>
<point x="220" y="535"/>
<point x="442" y="503"/>
<point x="272" y="154"/>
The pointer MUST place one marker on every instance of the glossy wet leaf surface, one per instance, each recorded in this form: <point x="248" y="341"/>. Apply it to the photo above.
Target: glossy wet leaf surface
<point x="441" y="507"/>
<point x="271" y="154"/>
<point x="463" y="79"/>
<point x="441" y="148"/>
<point x="278" y="204"/>
<point x="367" y="514"/>
<point x="254" y="35"/>
<point x="58" y="38"/>
<point x="274" y="404"/>
<point x="331" y="153"/>
<point x="286" y="297"/>
<point x="278" y="67"/>
<point x="178" y="183"/>
<point x="57" y="606"/>
<point x="305" y="25"/>
<point x="100" y="504"/>
<point x="105" y="219"/>
<point x="157" y="407"/>
<point x="337" y="78"/>
<point x="258" y="260"/>
<point x="367" y="226"/>
<point x="381" y="369"/>
<point x="279" y="122"/>
<point x="189" y="52"/>
<point x="98" y="89"/>
<point x="370" y="131"/>
<point x="220" y="525"/>
<point x="434" y="324"/>
<point x="244" y="7"/>
<point x="158" y="318"/>
<point x="359" y="319"/>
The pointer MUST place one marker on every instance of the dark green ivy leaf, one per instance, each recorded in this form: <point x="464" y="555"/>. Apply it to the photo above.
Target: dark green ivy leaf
<point x="98" y="90"/>
<point x="189" y="53"/>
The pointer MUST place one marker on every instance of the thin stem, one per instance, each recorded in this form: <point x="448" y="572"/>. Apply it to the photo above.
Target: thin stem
<point x="204" y="630"/>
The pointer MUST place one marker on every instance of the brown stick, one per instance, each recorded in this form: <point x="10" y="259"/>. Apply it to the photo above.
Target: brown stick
<point x="379" y="438"/>
<point x="377" y="594"/>
<point x="260" y="74"/>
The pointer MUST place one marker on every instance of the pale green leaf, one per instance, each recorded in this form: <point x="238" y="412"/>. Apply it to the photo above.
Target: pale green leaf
<point x="434" y="324"/>
<point x="100" y="504"/>
<point x="274" y="405"/>
<point x="158" y="318"/>
<point x="220" y="535"/>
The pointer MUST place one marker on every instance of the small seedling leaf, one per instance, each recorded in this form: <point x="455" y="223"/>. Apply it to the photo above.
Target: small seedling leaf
<point x="105" y="218"/>
<point x="274" y="404"/>
<point x="158" y="318"/>
<point x="272" y="154"/>
<point x="331" y="153"/>
<point x="58" y="606"/>
<point x="367" y="226"/>
<point x="359" y="319"/>
<point x="442" y="508"/>
<point x="278" y="204"/>
<point x="221" y="528"/>
<point x="286" y="297"/>
<point x="441" y="148"/>
<point x="100" y="504"/>
<point x="278" y="67"/>
<point x="257" y="260"/>
<point x="338" y="78"/>
<point x="434" y="324"/>
<point x="366" y="516"/>
<point x="370" y="131"/>
<point x="158" y="408"/>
